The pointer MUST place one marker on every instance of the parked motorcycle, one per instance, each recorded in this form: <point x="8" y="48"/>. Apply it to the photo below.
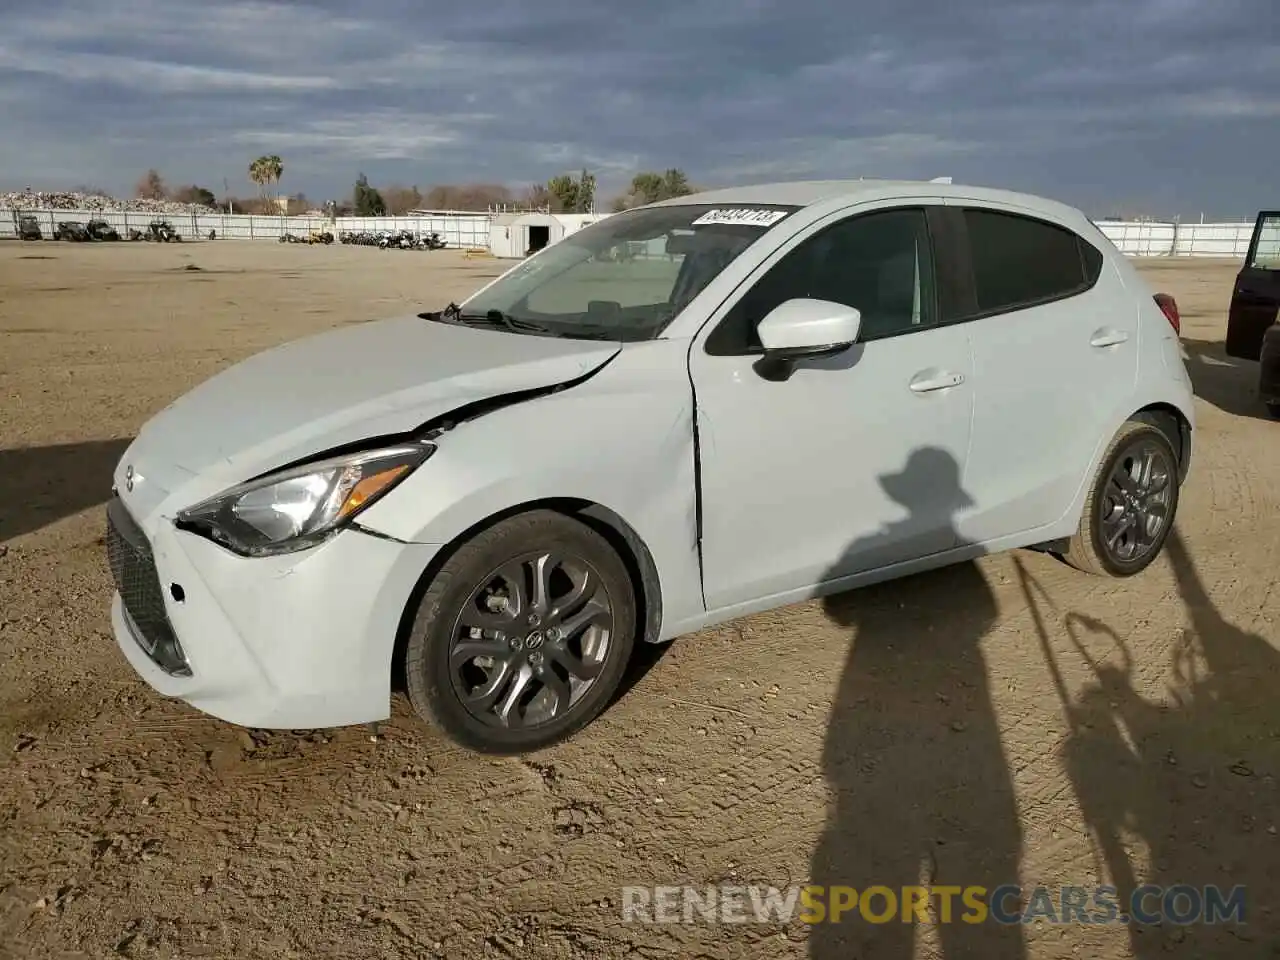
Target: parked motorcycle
<point x="402" y="240"/>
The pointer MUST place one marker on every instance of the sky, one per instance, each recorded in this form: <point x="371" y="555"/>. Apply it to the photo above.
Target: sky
<point x="1155" y="107"/>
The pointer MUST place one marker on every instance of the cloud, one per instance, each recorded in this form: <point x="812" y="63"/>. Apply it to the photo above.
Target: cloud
<point x="385" y="135"/>
<point x="156" y="77"/>
<point x="1167" y="105"/>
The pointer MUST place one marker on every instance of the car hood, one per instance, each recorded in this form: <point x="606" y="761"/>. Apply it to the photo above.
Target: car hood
<point x="356" y="382"/>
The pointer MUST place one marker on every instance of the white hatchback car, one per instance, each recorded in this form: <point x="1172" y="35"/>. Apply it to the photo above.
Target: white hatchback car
<point x="682" y="414"/>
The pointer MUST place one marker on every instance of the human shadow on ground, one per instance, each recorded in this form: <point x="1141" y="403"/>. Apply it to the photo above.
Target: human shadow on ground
<point x="1181" y="791"/>
<point x="1228" y="383"/>
<point x="42" y="485"/>
<point x="922" y="792"/>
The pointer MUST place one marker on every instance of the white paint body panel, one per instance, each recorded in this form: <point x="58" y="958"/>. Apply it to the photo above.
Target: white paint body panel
<point x="358" y="381"/>
<point x="1043" y="392"/>
<point x="795" y="487"/>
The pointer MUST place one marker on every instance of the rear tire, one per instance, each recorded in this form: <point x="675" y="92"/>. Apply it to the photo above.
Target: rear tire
<point x="1131" y="506"/>
<point x="523" y="636"/>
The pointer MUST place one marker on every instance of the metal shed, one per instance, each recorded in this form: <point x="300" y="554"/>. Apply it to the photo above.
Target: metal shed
<point x="519" y="234"/>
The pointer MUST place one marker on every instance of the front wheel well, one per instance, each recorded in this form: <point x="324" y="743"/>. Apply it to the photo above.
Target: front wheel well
<point x="635" y="556"/>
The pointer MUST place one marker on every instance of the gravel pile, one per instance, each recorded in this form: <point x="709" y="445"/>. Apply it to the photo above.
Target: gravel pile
<point x="39" y="200"/>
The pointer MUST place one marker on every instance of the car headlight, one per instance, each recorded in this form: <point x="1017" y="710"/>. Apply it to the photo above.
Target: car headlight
<point x="297" y="508"/>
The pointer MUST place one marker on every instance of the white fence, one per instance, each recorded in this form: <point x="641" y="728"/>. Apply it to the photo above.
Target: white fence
<point x="461" y="230"/>
<point x="457" y="230"/>
<point x="1155" y="239"/>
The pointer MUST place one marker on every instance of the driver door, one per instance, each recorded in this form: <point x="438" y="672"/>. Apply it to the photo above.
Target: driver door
<point x="856" y="461"/>
<point x="1256" y="299"/>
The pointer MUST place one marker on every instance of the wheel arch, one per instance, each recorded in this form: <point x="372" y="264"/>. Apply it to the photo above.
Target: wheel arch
<point x="621" y="536"/>
<point x="1177" y="426"/>
<point x="1168" y="417"/>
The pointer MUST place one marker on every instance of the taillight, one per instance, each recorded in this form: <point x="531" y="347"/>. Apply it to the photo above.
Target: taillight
<point x="1169" y="307"/>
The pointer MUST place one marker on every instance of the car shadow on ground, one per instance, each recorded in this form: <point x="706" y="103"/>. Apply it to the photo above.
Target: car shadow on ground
<point x="921" y="789"/>
<point x="42" y="485"/>
<point x="1229" y="384"/>
<point x="1183" y="789"/>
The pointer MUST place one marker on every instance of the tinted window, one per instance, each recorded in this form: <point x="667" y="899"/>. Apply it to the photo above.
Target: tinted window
<point x="1092" y="257"/>
<point x="880" y="263"/>
<point x="1018" y="261"/>
<point x="1266" y="244"/>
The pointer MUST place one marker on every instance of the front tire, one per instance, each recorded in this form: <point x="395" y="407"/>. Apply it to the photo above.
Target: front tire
<point x="1132" y="505"/>
<point x="523" y="636"/>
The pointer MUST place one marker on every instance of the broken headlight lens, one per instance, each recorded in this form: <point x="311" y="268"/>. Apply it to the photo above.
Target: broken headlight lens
<point x="297" y="508"/>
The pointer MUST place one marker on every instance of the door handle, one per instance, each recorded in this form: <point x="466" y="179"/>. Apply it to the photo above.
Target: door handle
<point x="1108" y="338"/>
<point x="928" y="381"/>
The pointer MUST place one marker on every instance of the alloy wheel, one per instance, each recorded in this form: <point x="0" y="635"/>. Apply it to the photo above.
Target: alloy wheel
<point x="1134" y="509"/>
<point x="531" y="640"/>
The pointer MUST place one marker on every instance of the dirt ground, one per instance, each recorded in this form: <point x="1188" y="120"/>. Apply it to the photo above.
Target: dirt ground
<point x="1002" y="722"/>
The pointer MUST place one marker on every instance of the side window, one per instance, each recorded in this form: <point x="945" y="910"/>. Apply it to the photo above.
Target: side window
<point x="1019" y="261"/>
<point x="1266" y="243"/>
<point x="1092" y="257"/>
<point x="881" y="263"/>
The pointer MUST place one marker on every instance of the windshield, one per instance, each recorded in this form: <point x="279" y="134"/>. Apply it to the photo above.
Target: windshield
<point x="624" y="278"/>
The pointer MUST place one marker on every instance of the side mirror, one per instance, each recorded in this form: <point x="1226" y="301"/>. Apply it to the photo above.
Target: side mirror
<point x="803" y="329"/>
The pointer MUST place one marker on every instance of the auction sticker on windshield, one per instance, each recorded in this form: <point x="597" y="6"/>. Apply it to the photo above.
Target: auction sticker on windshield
<point x="742" y="215"/>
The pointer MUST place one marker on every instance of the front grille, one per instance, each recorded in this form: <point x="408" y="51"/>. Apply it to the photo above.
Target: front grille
<point x="134" y="570"/>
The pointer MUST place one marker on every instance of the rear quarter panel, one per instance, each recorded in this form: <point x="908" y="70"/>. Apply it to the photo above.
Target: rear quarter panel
<point x="1161" y="380"/>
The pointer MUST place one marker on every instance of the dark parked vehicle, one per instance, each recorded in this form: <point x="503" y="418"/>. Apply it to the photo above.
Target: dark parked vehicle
<point x="161" y="231"/>
<point x="402" y="240"/>
<point x="68" y="230"/>
<point x="101" y="230"/>
<point x="29" y="228"/>
<point x="1252" y="329"/>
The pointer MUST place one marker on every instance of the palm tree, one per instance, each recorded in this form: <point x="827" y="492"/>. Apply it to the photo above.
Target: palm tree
<point x="265" y="172"/>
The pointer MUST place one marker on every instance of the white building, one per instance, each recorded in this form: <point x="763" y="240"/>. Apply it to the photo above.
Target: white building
<point x="520" y="234"/>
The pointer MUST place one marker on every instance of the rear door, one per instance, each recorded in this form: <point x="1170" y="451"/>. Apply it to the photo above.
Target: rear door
<point x="1055" y="354"/>
<point x="1256" y="298"/>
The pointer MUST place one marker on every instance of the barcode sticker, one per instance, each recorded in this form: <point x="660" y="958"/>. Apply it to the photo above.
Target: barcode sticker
<point x="747" y="217"/>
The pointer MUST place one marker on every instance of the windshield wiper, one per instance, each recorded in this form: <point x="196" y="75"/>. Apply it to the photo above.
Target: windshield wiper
<point x="588" y="333"/>
<point x="505" y="319"/>
<point x="455" y="313"/>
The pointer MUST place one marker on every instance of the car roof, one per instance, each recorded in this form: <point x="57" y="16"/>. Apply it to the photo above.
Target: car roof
<point x="806" y="193"/>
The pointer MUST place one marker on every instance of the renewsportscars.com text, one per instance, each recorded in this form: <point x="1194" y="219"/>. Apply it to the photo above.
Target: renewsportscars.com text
<point x="1180" y="904"/>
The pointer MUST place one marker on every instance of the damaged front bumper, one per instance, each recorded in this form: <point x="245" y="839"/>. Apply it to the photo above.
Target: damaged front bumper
<point x="294" y="642"/>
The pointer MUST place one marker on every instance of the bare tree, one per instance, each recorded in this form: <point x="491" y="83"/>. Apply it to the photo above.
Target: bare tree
<point x="151" y="186"/>
<point x="467" y="196"/>
<point x="400" y="200"/>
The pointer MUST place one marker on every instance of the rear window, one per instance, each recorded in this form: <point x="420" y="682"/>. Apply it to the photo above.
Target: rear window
<point x="1019" y="261"/>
